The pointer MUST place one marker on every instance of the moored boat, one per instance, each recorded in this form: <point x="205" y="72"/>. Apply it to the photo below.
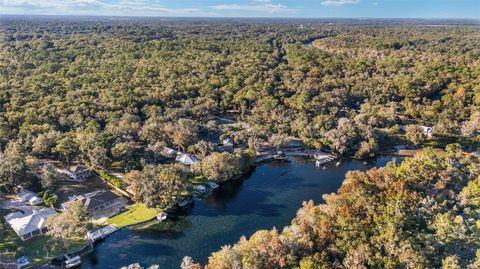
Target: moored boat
<point x="72" y="262"/>
<point x="162" y="216"/>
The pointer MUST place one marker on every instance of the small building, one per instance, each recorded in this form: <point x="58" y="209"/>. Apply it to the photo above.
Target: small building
<point x="103" y="202"/>
<point x="186" y="159"/>
<point x="78" y="173"/>
<point x="29" y="197"/>
<point x="28" y="225"/>
<point x="169" y="152"/>
<point x="426" y="130"/>
<point x="228" y="143"/>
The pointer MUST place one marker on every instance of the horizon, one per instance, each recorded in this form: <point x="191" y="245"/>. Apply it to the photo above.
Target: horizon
<point x="46" y="16"/>
<point x="301" y="9"/>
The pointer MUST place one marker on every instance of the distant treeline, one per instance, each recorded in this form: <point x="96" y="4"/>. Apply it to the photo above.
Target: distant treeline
<point x="110" y="91"/>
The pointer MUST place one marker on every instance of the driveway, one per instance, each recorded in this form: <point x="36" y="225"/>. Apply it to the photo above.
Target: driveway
<point x="16" y="205"/>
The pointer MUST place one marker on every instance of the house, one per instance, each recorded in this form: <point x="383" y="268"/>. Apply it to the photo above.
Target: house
<point x="78" y="172"/>
<point x="169" y="152"/>
<point x="29" y="197"/>
<point x="426" y="130"/>
<point x="186" y="159"/>
<point x="103" y="202"/>
<point x="31" y="224"/>
<point x="228" y="143"/>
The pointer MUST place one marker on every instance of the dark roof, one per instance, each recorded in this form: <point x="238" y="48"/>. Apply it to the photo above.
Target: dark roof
<point x="100" y="199"/>
<point x="77" y="168"/>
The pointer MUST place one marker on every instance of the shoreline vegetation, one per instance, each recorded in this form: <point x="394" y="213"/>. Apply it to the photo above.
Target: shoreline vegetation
<point x="435" y="194"/>
<point x="160" y="107"/>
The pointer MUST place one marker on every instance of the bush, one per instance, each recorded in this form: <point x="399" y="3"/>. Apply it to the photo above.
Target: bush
<point x="49" y="198"/>
<point x="111" y="179"/>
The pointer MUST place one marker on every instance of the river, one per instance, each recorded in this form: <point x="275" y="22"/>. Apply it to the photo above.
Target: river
<point x="268" y="197"/>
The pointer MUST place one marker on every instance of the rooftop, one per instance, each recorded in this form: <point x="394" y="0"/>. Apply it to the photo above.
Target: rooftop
<point x="27" y="223"/>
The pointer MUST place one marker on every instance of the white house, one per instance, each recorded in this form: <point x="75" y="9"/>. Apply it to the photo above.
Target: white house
<point x="426" y="130"/>
<point x="29" y="197"/>
<point x="78" y="172"/>
<point x="28" y="225"/>
<point x="169" y="152"/>
<point x="227" y="142"/>
<point x="186" y="159"/>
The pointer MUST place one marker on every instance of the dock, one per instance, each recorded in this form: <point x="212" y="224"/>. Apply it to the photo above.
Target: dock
<point x="101" y="233"/>
<point x="319" y="155"/>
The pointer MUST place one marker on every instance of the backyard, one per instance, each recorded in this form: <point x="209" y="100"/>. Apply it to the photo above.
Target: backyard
<point x="38" y="250"/>
<point x="136" y="213"/>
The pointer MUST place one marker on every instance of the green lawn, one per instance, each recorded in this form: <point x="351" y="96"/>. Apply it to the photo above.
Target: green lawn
<point x="136" y="213"/>
<point x="38" y="249"/>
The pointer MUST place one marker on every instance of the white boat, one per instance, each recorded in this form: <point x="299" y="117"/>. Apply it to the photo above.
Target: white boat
<point x="338" y="163"/>
<point x="71" y="262"/>
<point x="162" y="216"/>
<point x="212" y="185"/>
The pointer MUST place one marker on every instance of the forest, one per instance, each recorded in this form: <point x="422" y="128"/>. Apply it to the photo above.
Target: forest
<point x="422" y="213"/>
<point x="112" y="94"/>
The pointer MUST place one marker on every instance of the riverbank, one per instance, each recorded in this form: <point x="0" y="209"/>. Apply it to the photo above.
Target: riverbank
<point x="268" y="197"/>
<point x="39" y="250"/>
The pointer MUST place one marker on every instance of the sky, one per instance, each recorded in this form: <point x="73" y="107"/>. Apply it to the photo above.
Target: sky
<point x="249" y="8"/>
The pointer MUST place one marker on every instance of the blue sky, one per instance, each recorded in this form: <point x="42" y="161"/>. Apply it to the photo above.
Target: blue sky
<point x="249" y="8"/>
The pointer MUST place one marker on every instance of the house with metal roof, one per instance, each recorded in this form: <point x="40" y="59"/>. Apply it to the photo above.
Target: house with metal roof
<point x="103" y="203"/>
<point x="186" y="159"/>
<point x="29" y="197"/>
<point x="30" y="224"/>
<point x="78" y="172"/>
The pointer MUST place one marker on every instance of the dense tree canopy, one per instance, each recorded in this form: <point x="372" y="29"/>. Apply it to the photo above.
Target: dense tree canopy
<point x="102" y="91"/>
<point x="422" y="213"/>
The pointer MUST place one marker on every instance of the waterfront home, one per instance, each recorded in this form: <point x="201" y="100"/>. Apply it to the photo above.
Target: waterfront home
<point x="99" y="204"/>
<point x="227" y="143"/>
<point x="78" y="172"/>
<point x="29" y="197"/>
<point x="30" y="224"/>
<point x="186" y="159"/>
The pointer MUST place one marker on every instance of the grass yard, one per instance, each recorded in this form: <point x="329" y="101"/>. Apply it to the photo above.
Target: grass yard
<point x="135" y="214"/>
<point x="413" y="152"/>
<point x="38" y="249"/>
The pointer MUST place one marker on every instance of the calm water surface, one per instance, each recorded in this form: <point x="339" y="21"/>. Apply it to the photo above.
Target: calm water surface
<point x="267" y="198"/>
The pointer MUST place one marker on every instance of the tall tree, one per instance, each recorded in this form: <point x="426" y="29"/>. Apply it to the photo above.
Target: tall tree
<point x="162" y="186"/>
<point x="49" y="177"/>
<point x="70" y="224"/>
<point x="12" y="166"/>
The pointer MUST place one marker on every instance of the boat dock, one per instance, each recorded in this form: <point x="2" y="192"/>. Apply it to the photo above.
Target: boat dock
<point x="101" y="233"/>
<point x="319" y="155"/>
